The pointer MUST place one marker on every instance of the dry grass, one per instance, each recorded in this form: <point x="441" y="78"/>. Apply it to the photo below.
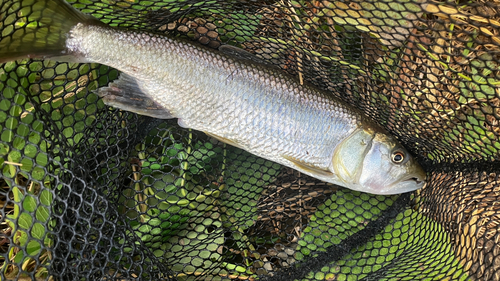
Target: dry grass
<point x="442" y="85"/>
<point x="12" y="269"/>
<point x="8" y="207"/>
<point x="470" y="211"/>
<point x="425" y="65"/>
<point x="440" y="69"/>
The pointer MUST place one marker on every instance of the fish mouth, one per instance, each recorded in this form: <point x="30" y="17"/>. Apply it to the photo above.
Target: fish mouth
<point x="408" y="185"/>
<point x="419" y="181"/>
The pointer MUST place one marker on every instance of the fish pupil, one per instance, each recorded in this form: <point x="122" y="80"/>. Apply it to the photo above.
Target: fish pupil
<point x="397" y="157"/>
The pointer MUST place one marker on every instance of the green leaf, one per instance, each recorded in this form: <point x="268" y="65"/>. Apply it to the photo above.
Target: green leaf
<point x="33" y="248"/>
<point x="38" y="231"/>
<point x="19" y="256"/>
<point x="42" y="214"/>
<point x="29" y="203"/>
<point x="25" y="221"/>
<point x="45" y="197"/>
<point x="158" y="253"/>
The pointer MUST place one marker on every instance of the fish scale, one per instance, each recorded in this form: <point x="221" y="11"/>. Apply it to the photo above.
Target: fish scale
<point x="229" y="94"/>
<point x="259" y="112"/>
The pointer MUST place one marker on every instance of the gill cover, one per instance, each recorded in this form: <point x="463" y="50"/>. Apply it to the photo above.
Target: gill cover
<point x="348" y="156"/>
<point x="374" y="162"/>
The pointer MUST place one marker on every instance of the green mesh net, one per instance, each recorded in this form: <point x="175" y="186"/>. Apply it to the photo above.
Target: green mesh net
<point x="93" y="193"/>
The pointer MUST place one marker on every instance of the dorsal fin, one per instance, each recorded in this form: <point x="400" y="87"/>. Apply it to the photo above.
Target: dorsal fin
<point x="241" y="54"/>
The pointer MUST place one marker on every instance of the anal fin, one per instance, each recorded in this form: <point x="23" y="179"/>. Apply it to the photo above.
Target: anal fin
<point x="309" y="168"/>
<point x="125" y="94"/>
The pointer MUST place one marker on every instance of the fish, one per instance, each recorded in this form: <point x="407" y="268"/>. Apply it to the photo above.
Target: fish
<point x="229" y="94"/>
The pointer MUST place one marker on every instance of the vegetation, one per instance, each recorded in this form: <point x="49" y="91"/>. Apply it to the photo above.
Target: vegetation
<point x="185" y="190"/>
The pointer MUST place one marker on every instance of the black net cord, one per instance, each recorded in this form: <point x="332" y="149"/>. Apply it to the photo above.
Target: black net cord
<point x="336" y="252"/>
<point x="91" y="193"/>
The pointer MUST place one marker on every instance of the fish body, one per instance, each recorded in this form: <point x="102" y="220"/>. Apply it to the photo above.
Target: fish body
<point x="240" y="101"/>
<point x="253" y="106"/>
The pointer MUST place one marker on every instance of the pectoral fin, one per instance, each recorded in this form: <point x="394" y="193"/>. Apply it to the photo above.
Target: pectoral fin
<point x="225" y="140"/>
<point x="126" y="94"/>
<point x="311" y="169"/>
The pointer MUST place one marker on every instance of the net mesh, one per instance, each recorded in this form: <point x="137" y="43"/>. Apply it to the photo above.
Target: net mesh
<point x="93" y="193"/>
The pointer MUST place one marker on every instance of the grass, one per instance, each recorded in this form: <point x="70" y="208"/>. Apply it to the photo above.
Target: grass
<point x="448" y="75"/>
<point x="406" y="240"/>
<point x="61" y="91"/>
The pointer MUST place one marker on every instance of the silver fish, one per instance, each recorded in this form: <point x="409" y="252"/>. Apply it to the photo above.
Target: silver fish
<point x="228" y="94"/>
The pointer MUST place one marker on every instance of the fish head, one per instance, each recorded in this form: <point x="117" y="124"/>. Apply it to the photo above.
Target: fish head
<point x="372" y="161"/>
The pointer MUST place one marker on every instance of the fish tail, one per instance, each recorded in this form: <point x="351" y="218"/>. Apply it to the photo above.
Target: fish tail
<point x="37" y="28"/>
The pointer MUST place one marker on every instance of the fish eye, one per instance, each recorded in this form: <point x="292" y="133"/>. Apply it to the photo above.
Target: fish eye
<point x="398" y="157"/>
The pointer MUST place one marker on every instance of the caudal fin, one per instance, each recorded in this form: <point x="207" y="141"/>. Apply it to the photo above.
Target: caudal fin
<point x="36" y="28"/>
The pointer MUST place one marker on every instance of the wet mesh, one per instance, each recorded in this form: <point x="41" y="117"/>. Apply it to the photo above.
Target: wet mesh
<point x="93" y="193"/>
